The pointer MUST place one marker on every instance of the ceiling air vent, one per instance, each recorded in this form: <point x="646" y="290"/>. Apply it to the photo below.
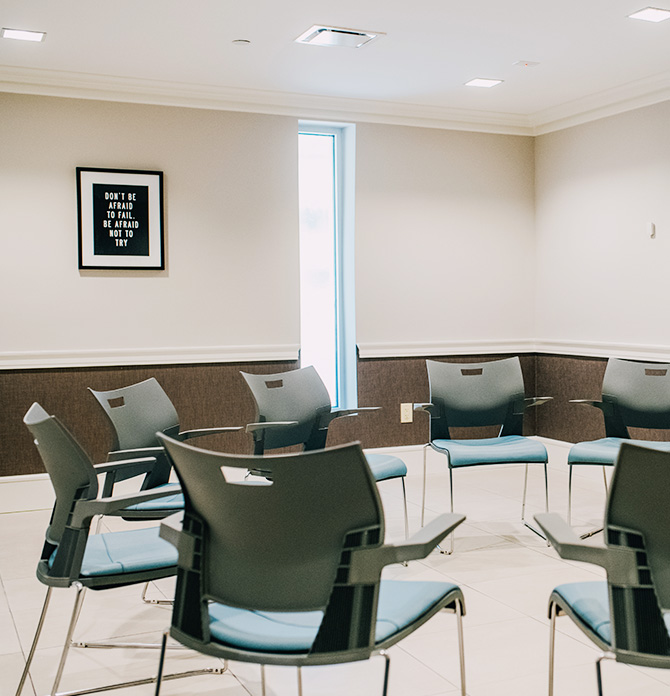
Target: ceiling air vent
<point x="336" y="36"/>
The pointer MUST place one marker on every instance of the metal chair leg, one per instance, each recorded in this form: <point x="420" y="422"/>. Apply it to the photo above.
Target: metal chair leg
<point x="569" y="494"/>
<point x="145" y="589"/>
<point x="451" y="498"/>
<point x="263" y="680"/>
<point x="599" y="676"/>
<point x="461" y="647"/>
<point x="161" y="663"/>
<point x="423" y="496"/>
<point x="299" y="681"/>
<point x="79" y="598"/>
<point x="552" y="635"/>
<point x="404" y="500"/>
<point x="38" y="631"/>
<point x="387" y="667"/>
<point x="532" y="528"/>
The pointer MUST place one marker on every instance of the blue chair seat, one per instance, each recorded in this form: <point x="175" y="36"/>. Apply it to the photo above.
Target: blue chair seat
<point x="493" y="450"/>
<point x="385" y="466"/>
<point x="125" y="552"/>
<point x="588" y="603"/>
<point x="400" y="604"/>
<point x="169" y="502"/>
<point x="604" y="452"/>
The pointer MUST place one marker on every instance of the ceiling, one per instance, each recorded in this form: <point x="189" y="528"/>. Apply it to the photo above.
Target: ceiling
<point x="592" y="59"/>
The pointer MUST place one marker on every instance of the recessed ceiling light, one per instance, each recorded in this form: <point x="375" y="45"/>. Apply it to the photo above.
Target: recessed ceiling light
<point x="482" y="82"/>
<point x="319" y="35"/>
<point x="22" y="34"/>
<point x="651" y="14"/>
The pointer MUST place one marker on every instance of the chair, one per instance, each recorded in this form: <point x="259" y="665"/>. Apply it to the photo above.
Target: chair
<point x="136" y="413"/>
<point x="464" y="395"/>
<point x="634" y="395"/>
<point x="71" y="557"/>
<point x="626" y="616"/>
<point x="293" y="408"/>
<point x="286" y="571"/>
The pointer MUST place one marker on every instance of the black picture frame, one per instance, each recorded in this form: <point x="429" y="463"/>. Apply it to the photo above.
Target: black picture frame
<point x="120" y="215"/>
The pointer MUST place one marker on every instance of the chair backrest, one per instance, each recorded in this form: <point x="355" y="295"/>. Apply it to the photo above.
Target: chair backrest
<point x="281" y="545"/>
<point x="476" y="394"/>
<point x="297" y="395"/>
<point x="69" y="467"/>
<point x="137" y="412"/>
<point x="637" y="519"/>
<point x="639" y="393"/>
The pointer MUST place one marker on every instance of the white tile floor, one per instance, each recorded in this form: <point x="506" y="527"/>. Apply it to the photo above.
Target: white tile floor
<point x="506" y="573"/>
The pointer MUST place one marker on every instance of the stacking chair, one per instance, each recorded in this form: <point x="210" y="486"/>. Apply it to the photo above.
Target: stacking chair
<point x="71" y="556"/>
<point x="465" y="395"/>
<point x="286" y="571"/>
<point x="136" y="413"/>
<point x="626" y="616"/>
<point x="293" y="408"/>
<point x="634" y="395"/>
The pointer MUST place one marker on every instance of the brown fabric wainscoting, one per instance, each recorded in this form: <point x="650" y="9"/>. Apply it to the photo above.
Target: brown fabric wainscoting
<point x="204" y="395"/>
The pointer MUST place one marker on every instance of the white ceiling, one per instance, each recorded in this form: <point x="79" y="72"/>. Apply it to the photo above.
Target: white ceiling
<point x="593" y="60"/>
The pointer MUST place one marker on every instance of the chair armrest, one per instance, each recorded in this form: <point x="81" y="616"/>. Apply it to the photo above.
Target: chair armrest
<point x="568" y="545"/>
<point x="116" y="455"/>
<point x="537" y="401"/>
<point x="123" y="469"/>
<point x="84" y="510"/>
<point x="340" y="412"/>
<point x="171" y="528"/>
<point x="199" y="432"/>
<point x="142" y="464"/>
<point x="253" y="427"/>
<point x="427" y="407"/>
<point x="366" y="564"/>
<point x="589" y="402"/>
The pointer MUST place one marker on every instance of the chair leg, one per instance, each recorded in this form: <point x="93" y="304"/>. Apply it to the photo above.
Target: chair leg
<point x="451" y="499"/>
<point x="423" y="496"/>
<point x="145" y="589"/>
<point x="532" y="528"/>
<point x="299" y="681"/>
<point x="76" y="610"/>
<point x="599" y="676"/>
<point x="263" y="680"/>
<point x="461" y="647"/>
<point x="404" y="501"/>
<point x="38" y="631"/>
<point x="387" y="667"/>
<point x="552" y="635"/>
<point x="569" y="494"/>
<point x="161" y="663"/>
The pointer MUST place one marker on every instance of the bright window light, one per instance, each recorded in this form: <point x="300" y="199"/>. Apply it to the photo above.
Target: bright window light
<point x="651" y="14"/>
<point x="326" y="155"/>
<point x="318" y="289"/>
<point x="23" y="35"/>
<point x="482" y="82"/>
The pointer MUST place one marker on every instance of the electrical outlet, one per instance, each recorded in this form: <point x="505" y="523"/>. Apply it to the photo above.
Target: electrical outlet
<point x="406" y="413"/>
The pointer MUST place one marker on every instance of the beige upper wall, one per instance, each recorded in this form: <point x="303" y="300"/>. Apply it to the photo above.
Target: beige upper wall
<point x="601" y="279"/>
<point x="445" y="247"/>
<point x="447" y="228"/>
<point x="231" y="221"/>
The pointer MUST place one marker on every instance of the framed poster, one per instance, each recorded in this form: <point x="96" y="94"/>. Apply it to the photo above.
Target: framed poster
<point x="120" y="219"/>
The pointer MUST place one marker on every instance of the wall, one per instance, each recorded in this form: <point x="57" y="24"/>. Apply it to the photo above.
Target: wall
<point x="445" y="248"/>
<point x="230" y="289"/>
<point x="601" y="281"/>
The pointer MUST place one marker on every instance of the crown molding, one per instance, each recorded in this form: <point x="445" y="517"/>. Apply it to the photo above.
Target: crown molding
<point x="31" y="360"/>
<point x="628" y="97"/>
<point x="303" y="106"/>
<point x="634" y="95"/>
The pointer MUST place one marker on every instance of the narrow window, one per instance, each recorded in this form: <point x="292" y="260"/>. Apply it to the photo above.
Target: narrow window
<point x="326" y="188"/>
